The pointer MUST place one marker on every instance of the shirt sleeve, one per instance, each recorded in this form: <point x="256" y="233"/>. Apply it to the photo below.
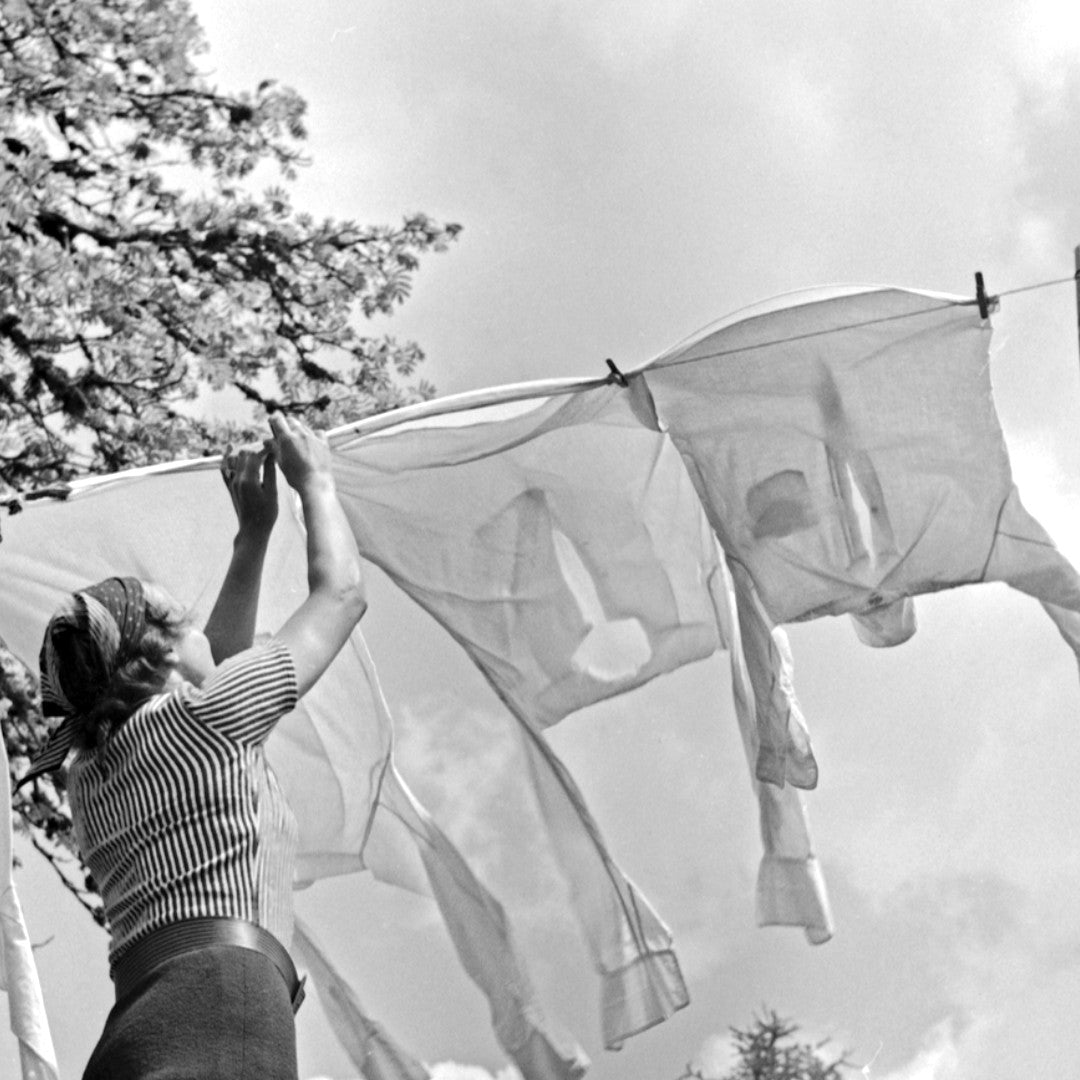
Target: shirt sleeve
<point x="248" y="694"/>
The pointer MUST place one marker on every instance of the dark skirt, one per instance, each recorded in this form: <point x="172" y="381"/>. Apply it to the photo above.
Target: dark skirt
<point x="221" y="1012"/>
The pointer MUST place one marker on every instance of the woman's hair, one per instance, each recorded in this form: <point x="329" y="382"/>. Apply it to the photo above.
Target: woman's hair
<point x="140" y="676"/>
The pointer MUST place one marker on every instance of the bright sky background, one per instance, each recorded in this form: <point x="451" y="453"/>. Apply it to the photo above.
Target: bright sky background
<point x="625" y="172"/>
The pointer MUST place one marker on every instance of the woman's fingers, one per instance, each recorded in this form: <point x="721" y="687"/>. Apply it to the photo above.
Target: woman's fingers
<point x="269" y="472"/>
<point x="250" y="465"/>
<point x="250" y="474"/>
<point x="281" y="425"/>
<point x="300" y="452"/>
<point x="227" y="464"/>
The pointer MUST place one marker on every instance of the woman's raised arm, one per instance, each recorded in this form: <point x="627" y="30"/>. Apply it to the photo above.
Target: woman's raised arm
<point x="316" y="631"/>
<point x="251" y="477"/>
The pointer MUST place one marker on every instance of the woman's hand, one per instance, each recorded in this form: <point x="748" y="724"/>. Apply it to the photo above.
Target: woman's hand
<point x="303" y="455"/>
<point x="251" y="478"/>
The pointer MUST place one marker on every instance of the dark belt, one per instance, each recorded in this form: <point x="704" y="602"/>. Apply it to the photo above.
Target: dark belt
<point x="190" y="935"/>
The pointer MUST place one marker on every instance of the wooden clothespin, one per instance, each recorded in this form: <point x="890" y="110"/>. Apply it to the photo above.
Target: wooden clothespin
<point x="1076" y="263"/>
<point x="616" y="374"/>
<point x="980" y="296"/>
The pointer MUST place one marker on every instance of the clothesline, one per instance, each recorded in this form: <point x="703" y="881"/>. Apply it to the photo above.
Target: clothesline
<point x="1039" y="285"/>
<point x="515" y="393"/>
<point x="695" y="357"/>
<point x="958" y="302"/>
<point x="520" y="392"/>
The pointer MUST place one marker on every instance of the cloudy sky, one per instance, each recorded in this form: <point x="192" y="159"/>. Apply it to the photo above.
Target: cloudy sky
<point x="626" y="172"/>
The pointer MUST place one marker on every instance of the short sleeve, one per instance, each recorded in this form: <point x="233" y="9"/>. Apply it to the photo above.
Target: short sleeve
<point x="246" y="695"/>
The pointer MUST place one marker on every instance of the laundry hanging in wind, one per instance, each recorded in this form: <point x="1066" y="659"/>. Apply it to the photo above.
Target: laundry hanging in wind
<point x="836" y="453"/>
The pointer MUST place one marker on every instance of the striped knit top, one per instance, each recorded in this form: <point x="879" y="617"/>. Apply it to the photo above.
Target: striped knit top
<point x="179" y="815"/>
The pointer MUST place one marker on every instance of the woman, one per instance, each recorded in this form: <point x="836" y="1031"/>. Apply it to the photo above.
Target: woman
<point x="176" y="812"/>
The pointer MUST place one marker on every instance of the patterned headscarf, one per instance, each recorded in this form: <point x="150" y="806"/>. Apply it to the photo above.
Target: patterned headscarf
<point x="97" y="631"/>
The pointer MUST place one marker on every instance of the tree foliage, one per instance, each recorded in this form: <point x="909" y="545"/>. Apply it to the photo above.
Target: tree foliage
<point x="768" y="1050"/>
<point x="138" y="269"/>
<point x="141" y="273"/>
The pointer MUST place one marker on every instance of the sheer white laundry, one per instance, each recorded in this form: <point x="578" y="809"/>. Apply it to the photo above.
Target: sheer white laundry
<point x="833" y="452"/>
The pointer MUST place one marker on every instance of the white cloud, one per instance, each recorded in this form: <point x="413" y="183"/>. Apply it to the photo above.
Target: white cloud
<point x="624" y="36"/>
<point x="937" y="1060"/>
<point x="715" y="1057"/>
<point x="998" y="976"/>
<point x="800" y="104"/>
<point x="1048" y="489"/>
<point x="451" y="1070"/>
<point x="1048" y="30"/>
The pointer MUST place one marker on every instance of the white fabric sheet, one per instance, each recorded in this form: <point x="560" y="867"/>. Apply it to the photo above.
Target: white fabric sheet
<point x="18" y="972"/>
<point x="842" y="449"/>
